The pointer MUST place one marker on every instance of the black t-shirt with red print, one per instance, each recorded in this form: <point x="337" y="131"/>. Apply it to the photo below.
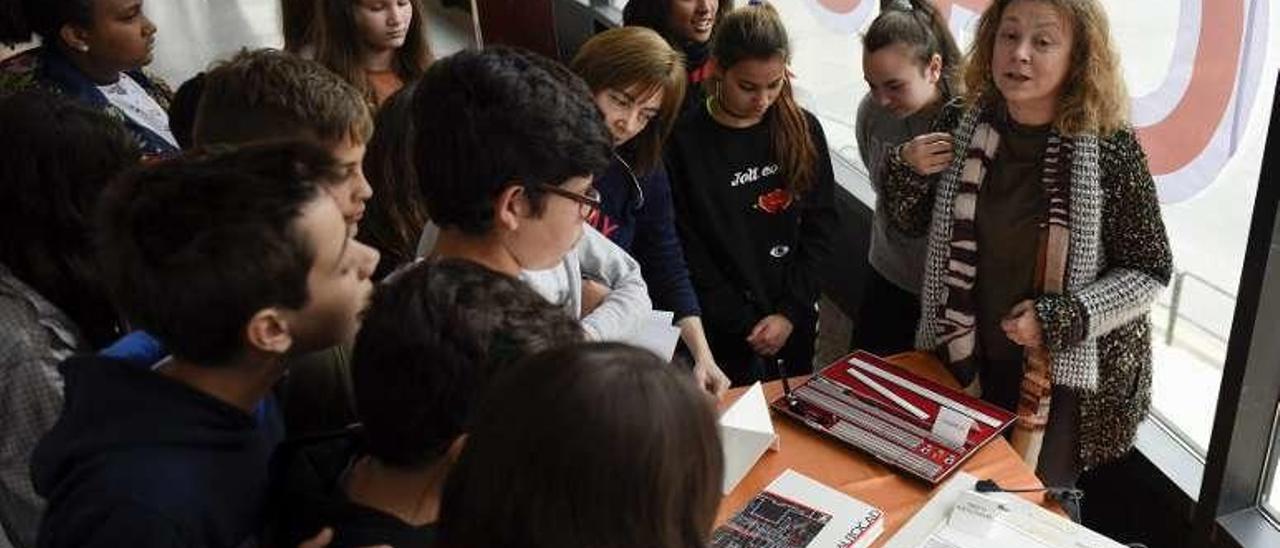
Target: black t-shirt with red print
<point x="752" y="247"/>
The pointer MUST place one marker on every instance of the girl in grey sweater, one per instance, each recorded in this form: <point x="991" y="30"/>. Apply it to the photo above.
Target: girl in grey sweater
<point x="909" y="60"/>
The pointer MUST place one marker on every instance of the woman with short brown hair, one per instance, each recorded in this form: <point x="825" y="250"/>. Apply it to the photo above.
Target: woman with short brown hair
<point x="638" y="83"/>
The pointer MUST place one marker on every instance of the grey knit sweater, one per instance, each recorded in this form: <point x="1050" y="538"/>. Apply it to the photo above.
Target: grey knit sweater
<point x="894" y="255"/>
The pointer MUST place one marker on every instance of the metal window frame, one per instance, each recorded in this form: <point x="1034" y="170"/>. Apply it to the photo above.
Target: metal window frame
<point x="1229" y="513"/>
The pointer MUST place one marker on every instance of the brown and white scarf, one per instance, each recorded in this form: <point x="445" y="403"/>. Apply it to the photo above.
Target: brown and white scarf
<point x="957" y="322"/>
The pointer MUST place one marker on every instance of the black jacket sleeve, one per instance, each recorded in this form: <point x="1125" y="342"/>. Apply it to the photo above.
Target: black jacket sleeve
<point x="657" y="248"/>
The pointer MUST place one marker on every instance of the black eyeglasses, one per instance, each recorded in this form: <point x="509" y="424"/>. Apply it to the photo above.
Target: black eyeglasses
<point x="588" y="201"/>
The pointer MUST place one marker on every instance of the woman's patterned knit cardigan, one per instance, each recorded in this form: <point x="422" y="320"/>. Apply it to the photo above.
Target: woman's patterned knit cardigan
<point x="1097" y="331"/>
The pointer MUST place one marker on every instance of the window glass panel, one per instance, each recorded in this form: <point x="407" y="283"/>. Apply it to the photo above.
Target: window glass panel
<point x="1271" y="494"/>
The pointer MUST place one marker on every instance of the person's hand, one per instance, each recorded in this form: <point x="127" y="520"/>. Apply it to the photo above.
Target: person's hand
<point x="1022" y="326"/>
<point x="770" y="334"/>
<point x="322" y="539"/>
<point x="927" y="154"/>
<point x="593" y="293"/>
<point x="709" y="376"/>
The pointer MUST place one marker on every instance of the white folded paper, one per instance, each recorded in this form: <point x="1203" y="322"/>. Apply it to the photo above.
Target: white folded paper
<point x="746" y="431"/>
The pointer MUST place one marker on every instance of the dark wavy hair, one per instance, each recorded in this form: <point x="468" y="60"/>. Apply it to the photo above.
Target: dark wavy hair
<point x="19" y="19"/>
<point x="433" y="337"/>
<point x="192" y="247"/>
<point x="57" y="158"/>
<point x="597" y="444"/>
<point x="397" y="211"/>
<point x="489" y="119"/>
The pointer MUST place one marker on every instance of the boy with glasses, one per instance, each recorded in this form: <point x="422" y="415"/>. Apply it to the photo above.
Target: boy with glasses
<point x="506" y="146"/>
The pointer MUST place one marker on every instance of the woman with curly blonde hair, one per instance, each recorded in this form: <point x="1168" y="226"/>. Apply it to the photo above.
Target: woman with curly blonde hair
<point x="1046" y="246"/>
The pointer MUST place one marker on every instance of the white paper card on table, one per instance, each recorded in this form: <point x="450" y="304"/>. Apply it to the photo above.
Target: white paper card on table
<point x="974" y="514"/>
<point x="916" y="532"/>
<point x="796" y="511"/>
<point x="746" y="431"/>
<point x="952" y="427"/>
<point x="656" y="334"/>
<point x="1015" y="523"/>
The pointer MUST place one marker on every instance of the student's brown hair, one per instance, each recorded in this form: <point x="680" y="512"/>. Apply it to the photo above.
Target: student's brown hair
<point x="757" y="32"/>
<point x="295" y="23"/>
<point x="627" y="57"/>
<point x="598" y="444"/>
<point x="56" y="157"/>
<point x="192" y="247"/>
<point x="272" y="95"/>
<point x="336" y="42"/>
<point x="396" y="213"/>
<point x="1094" y="99"/>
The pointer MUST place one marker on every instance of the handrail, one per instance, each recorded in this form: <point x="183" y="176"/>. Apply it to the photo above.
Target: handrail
<point x="1175" y="302"/>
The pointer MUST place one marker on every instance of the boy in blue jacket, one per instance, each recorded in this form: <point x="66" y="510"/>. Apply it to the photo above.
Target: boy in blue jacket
<point x="233" y="261"/>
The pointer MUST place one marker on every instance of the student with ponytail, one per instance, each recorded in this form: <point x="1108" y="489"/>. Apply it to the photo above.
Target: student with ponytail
<point x="910" y="61"/>
<point x="93" y="52"/>
<point x="753" y="183"/>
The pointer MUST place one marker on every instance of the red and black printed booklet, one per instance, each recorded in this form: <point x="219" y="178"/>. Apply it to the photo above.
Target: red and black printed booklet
<point x="910" y="423"/>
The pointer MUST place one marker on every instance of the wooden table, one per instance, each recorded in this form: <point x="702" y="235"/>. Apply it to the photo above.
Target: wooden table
<point x="850" y="471"/>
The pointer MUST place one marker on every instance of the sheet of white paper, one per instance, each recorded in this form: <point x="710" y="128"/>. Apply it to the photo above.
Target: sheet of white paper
<point x="746" y="431"/>
<point x="656" y="335"/>
<point x="1019" y="524"/>
<point x="921" y="526"/>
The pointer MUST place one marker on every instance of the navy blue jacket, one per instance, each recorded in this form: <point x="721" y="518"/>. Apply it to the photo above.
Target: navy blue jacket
<point x="637" y="214"/>
<point x="46" y="68"/>
<point x="137" y="459"/>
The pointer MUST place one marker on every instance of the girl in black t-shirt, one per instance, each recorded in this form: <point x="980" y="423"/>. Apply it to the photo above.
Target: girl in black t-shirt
<point x="753" y="184"/>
